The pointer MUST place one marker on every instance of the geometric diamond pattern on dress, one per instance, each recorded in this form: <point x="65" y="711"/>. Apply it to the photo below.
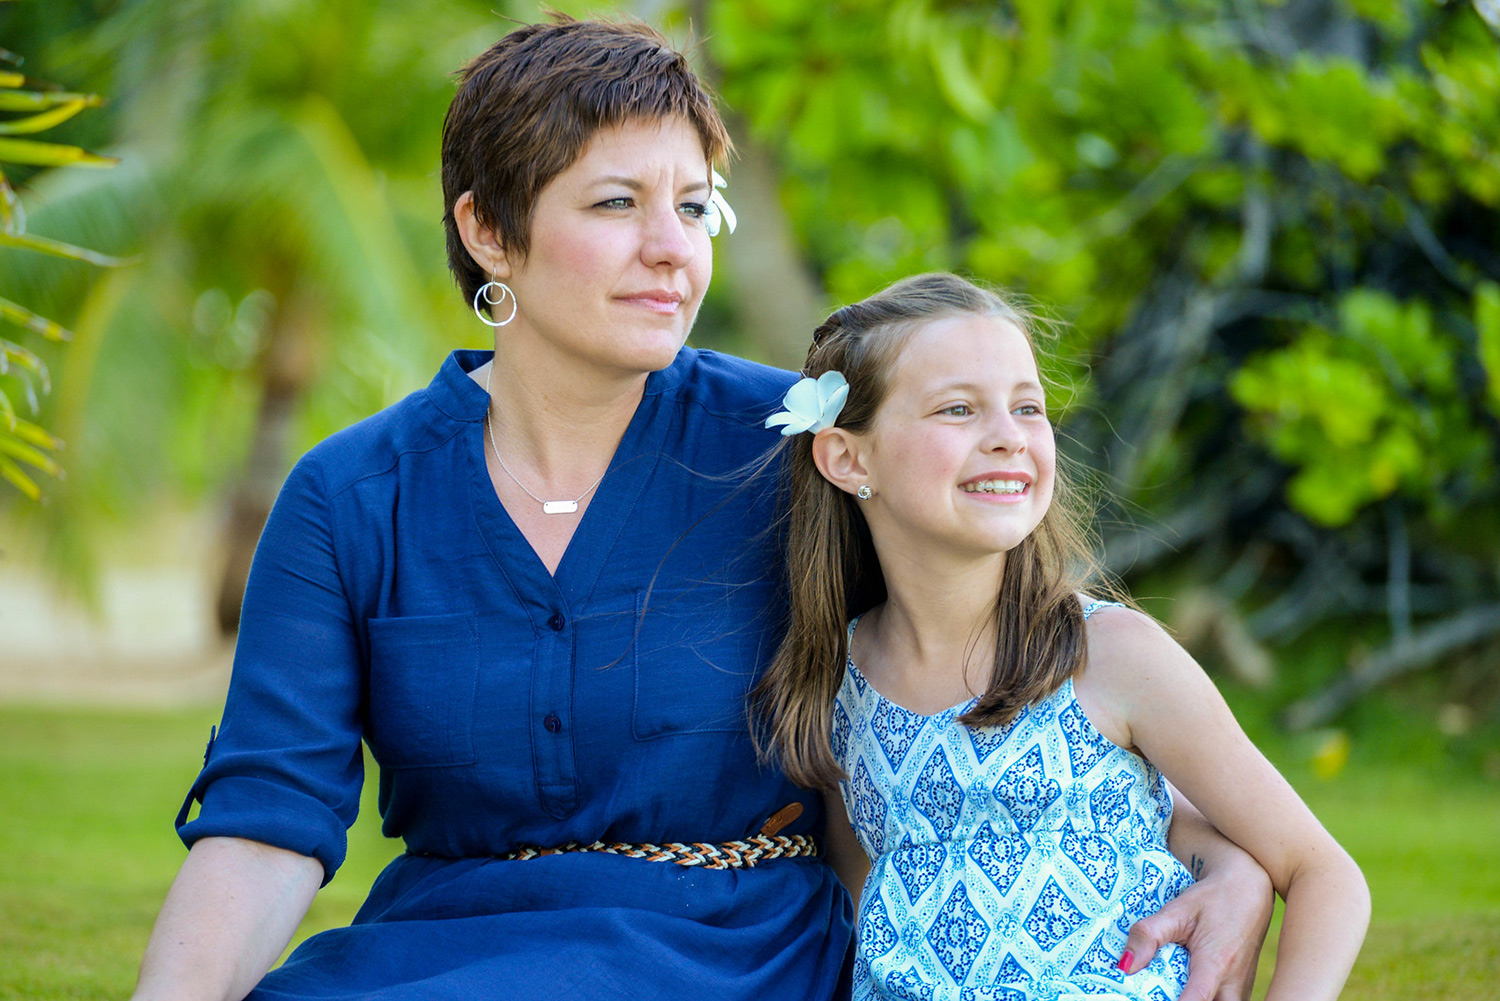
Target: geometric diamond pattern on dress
<point x="876" y="931"/>
<point x="1000" y="859"/>
<point x="1000" y="854"/>
<point x="1053" y="917"/>
<point x="920" y="865"/>
<point x="1110" y="802"/>
<point x="1086" y="746"/>
<point x="938" y="794"/>
<point x="991" y="739"/>
<point x="839" y="739"/>
<point x="1012" y="972"/>
<point x="1024" y="789"/>
<point x="870" y="809"/>
<point x="1102" y="958"/>
<point x="1094" y="856"/>
<point x="1144" y="898"/>
<point x="894" y="731"/>
<point x="957" y="934"/>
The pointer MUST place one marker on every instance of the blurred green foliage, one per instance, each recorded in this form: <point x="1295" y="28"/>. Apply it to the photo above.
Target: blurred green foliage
<point x="1271" y="228"/>
<point x="27" y="108"/>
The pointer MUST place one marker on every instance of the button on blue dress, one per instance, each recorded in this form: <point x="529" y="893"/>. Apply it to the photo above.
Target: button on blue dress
<point x="392" y="600"/>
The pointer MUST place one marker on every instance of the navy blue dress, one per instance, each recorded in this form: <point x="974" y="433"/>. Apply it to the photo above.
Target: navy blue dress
<point x="393" y="600"/>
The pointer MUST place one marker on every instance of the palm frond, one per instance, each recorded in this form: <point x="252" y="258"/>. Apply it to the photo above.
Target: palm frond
<point x="35" y="322"/>
<point x="56" y="248"/>
<point x="40" y="154"/>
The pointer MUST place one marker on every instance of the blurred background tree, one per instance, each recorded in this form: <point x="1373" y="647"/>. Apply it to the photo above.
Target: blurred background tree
<point x="1270" y="230"/>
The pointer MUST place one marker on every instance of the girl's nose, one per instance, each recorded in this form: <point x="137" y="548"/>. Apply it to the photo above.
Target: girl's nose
<point x="1006" y="434"/>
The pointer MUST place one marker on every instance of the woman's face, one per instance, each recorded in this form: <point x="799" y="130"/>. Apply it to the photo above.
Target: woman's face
<point x="619" y="257"/>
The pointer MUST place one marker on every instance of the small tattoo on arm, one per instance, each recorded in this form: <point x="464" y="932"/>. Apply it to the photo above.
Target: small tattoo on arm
<point x="1197" y="866"/>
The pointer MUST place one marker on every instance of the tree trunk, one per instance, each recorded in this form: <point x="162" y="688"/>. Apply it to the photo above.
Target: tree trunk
<point x="287" y="365"/>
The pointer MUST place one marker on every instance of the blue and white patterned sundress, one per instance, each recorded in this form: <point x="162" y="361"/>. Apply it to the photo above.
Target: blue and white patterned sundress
<point x="1007" y="863"/>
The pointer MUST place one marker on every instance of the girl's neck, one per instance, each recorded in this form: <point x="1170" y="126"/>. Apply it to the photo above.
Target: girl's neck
<point x="937" y="621"/>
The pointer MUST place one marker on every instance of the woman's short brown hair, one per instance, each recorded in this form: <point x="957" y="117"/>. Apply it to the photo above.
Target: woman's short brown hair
<point x="529" y="104"/>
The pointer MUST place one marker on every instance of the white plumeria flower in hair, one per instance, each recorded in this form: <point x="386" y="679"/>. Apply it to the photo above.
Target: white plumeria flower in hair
<point x="811" y="404"/>
<point x="718" y="209"/>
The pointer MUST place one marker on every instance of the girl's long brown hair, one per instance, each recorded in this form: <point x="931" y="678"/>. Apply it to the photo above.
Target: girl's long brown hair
<point x="833" y="571"/>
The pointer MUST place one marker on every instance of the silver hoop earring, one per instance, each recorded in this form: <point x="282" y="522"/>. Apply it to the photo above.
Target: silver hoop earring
<point x="864" y="492"/>
<point x="484" y="290"/>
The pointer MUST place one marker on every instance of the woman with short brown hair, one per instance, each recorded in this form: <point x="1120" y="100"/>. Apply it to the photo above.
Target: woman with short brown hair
<point x="540" y="593"/>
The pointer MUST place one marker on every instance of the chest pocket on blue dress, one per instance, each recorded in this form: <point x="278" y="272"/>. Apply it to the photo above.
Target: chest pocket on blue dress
<point x="423" y="670"/>
<point x="698" y="652"/>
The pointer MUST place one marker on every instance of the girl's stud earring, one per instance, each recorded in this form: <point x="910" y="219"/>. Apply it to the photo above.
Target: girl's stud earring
<point x="864" y="492"/>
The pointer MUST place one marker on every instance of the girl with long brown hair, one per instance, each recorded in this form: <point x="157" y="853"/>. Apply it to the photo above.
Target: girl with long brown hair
<point x="994" y="731"/>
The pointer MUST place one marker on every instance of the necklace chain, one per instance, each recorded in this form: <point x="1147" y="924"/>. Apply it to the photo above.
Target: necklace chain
<point x="548" y="507"/>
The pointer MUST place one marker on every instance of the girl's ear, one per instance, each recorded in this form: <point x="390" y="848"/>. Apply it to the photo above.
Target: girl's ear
<point x="838" y="454"/>
<point x="482" y="242"/>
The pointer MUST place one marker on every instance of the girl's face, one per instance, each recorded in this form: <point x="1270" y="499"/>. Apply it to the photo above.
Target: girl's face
<point x="960" y="456"/>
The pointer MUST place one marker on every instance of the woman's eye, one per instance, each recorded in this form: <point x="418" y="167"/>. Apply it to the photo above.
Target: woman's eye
<point x="958" y="410"/>
<point x="695" y="210"/>
<point x="1029" y="410"/>
<point x="623" y="202"/>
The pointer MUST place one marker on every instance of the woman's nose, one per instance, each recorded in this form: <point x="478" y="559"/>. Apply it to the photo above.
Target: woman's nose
<point x="665" y="240"/>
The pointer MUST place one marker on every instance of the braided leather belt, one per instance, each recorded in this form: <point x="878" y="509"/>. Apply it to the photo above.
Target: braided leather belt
<point x="728" y="855"/>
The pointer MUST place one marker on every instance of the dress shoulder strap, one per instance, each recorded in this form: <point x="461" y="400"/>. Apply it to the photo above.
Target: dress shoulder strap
<point x="1093" y="606"/>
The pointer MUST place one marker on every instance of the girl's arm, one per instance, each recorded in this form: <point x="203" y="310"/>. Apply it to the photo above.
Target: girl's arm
<point x="845" y="853"/>
<point x="1221" y="919"/>
<point x="1159" y="700"/>
<point x="230" y="912"/>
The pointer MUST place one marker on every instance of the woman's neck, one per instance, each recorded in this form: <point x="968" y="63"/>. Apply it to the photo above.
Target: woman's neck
<point x="557" y="422"/>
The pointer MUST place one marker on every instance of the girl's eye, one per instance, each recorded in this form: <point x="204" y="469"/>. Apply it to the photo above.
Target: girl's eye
<point x="958" y="410"/>
<point x="623" y="202"/>
<point x="694" y="210"/>
<point x="1029" y="410"/>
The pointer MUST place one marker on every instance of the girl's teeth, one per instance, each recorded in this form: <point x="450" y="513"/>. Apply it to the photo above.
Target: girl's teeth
<point x="996" y="487"/>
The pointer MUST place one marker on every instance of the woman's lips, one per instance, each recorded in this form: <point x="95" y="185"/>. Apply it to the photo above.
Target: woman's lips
<point x="665" y="303"/>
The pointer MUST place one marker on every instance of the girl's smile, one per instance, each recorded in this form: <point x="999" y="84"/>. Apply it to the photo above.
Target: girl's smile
<point x="961" y="456"/>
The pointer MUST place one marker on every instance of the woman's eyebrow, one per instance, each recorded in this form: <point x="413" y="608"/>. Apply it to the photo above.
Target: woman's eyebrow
<point x="635" y="184"/>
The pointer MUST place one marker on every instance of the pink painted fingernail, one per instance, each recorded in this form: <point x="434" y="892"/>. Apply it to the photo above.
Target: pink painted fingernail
<point x="1127" y="959"/>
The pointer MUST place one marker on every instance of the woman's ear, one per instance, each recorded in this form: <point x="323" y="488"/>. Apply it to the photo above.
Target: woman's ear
<point x="838" y="454"/>
<point x="481" y="241"/>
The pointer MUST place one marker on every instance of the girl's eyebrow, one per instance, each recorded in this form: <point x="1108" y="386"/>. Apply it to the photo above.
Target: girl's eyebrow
<point x="960" y="385"/>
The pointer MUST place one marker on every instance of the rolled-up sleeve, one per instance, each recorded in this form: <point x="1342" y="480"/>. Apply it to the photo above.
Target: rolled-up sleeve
<point x="286" y="768"/>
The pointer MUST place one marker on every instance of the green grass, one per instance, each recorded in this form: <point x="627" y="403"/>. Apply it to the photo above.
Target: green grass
<point x="87" y="851"/>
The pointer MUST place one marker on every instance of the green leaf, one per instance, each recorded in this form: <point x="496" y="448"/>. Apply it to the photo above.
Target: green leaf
<point x="23" y="317"/>
<point x="12" y="215"/>
<point x="17" y="476"/>
<point x="29" y="454"/>
<point x="39" y="154"/>
<point x="41" y="122"/>
<point x="56" y="248"/>
<point x="11" y="351"/>
<point x="1487" y="323"/>
<point x="33" y="433"/>
<point x="9" y="79"/>
<point x="40" y="100"/>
